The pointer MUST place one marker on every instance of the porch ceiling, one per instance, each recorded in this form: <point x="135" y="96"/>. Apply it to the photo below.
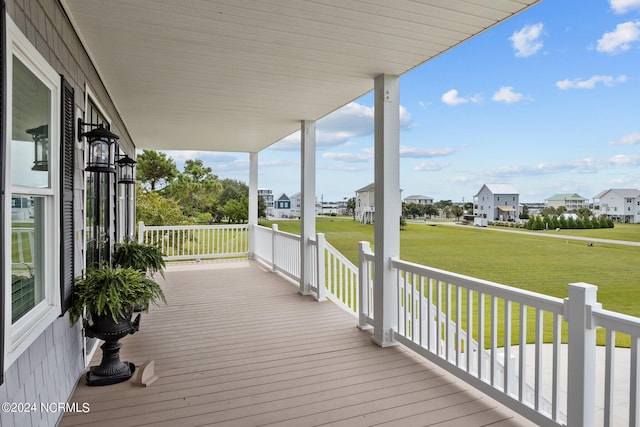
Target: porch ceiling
<point x="239" y="75"/>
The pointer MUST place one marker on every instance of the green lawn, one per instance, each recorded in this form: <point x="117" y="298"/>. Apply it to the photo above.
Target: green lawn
<point x="535" y="263"/>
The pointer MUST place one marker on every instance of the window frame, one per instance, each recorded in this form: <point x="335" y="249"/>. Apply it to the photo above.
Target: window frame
<point x="20" y="335"/>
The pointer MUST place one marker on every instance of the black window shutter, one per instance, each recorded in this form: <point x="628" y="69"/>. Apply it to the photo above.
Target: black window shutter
<point x="67" y="250"/>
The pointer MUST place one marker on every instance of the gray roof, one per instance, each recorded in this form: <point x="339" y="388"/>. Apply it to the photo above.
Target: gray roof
<point x="622" y="192"/>
<point x="500" y="189"/>
<point x="369" y="187"/>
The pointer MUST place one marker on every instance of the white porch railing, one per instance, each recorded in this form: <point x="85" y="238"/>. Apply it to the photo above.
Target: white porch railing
<point x="23" y="257"/>
<point x="182" y="242"/>
<point x="504" y="341"/>
<point x="470" y="327"/>
<point x="337" y="281"/>
<point x="339" y="276"/>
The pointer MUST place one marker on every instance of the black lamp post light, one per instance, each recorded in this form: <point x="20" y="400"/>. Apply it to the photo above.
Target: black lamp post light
<point x="126" y="170"/>
<point x="102" y="147"/>
<point x="40" y="137"/>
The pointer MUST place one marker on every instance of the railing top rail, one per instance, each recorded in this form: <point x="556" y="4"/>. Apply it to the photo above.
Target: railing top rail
<point x="617" y="321"/>
<point x="340" y="256"/>
<point x="533" y="299"/>
<point x="193" y="227"/>
<point x="290" y="235"/>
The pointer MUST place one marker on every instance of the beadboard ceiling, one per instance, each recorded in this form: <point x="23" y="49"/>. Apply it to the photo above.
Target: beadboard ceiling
<point x="239" y="75"/>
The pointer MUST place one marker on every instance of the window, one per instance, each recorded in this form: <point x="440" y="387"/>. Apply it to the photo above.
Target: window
<point x="33" y="91"/>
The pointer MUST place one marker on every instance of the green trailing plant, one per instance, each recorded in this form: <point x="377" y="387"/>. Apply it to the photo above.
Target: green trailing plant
<point x="139" y="256"/>
<point x="113" y="291"/>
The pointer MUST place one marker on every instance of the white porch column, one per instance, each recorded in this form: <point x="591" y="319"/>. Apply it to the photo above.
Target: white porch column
<point x="308" y="196"/>
<point x="387" y="206"/>
<point x="581" y="392"/>
<point x="253" y="202"/>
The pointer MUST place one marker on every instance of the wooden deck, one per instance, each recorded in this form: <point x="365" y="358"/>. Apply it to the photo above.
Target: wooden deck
<point x="238" y="346"/>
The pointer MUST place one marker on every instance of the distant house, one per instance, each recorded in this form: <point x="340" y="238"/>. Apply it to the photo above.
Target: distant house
<point x="497" y="202"/>
<point x="571" y="202"/>
<point x="267" y="195"/>
<point x="365" y="206"/>
<point x="296" y="205"/>
<point x="282" y="207"/>
<point x="622" y="204"/>
<point x="419" y="200"/>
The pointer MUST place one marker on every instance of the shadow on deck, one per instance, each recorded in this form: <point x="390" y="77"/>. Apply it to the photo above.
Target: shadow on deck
<point x="238" y="346"/>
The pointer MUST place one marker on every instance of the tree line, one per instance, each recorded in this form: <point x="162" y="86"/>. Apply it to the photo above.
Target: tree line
<point x="166" y="196"/>
<point x="445" y="208"/>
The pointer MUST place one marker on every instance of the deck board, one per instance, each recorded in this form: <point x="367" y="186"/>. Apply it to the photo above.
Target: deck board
<point x="238" y="346"/>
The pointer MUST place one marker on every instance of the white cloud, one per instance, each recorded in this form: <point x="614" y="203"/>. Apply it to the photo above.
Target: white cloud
<point x="624" y="160"/>
<point x="591" y="82"/>
<point x="507" y="95"/>
<point x="451" y="98"/>
<point x="587" y="165"/>
<point x="527" y="41"/>
<point x="631" y="139"/>
<point x="624" y="6"/>
<point x="348" y="157"/>
<point x="351" y="121"/>
<point x="430" y="167"/>
<point x="417" y="153"/>
<point x="620" y="39"/>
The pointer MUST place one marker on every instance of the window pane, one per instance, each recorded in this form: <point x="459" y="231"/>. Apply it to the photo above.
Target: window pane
<point x="27" y="243"/>
<point x="31" y="128"/>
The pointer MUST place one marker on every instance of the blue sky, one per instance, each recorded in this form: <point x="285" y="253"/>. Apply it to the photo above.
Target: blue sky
<point x="548" y="101"/>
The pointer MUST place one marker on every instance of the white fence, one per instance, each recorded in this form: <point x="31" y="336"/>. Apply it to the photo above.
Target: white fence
<point x="197" y="241"/>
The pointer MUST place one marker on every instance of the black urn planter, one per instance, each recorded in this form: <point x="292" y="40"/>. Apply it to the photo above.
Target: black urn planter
<point x="111" y="370"/>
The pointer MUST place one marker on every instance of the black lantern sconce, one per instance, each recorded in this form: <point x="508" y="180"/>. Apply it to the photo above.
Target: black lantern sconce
<point x="102" y="147"/>
<point x="40" y="137"/>
<point x="126" y="170"/>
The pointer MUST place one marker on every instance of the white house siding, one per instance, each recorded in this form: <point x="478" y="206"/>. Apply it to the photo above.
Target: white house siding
<point x="622" y="205"/>
<point x="48" y="370"/>
<point x="365" y="204"/>
<point x="492" y="197"/>
<point x="267" y="195"/>
<point x="46" y="373"/>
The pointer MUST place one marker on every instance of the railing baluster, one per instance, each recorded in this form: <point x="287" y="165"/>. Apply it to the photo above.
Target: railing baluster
<point x="634" y="383"/>
<point x="481" y="315"/>
<point x="448" y="342"/>
<point x="439" y="322"/>
<point x="555" y="394"/>
<point x="458" y="325"/>
<point x="522" y="362"/>
<point x="494" y="338"/>
<point x="506" y="372"/>
<point x="431" y="330"/>
<point x="419" y="311"/>
<point x="469" y="339"/>
<point x="608" y="377"/>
